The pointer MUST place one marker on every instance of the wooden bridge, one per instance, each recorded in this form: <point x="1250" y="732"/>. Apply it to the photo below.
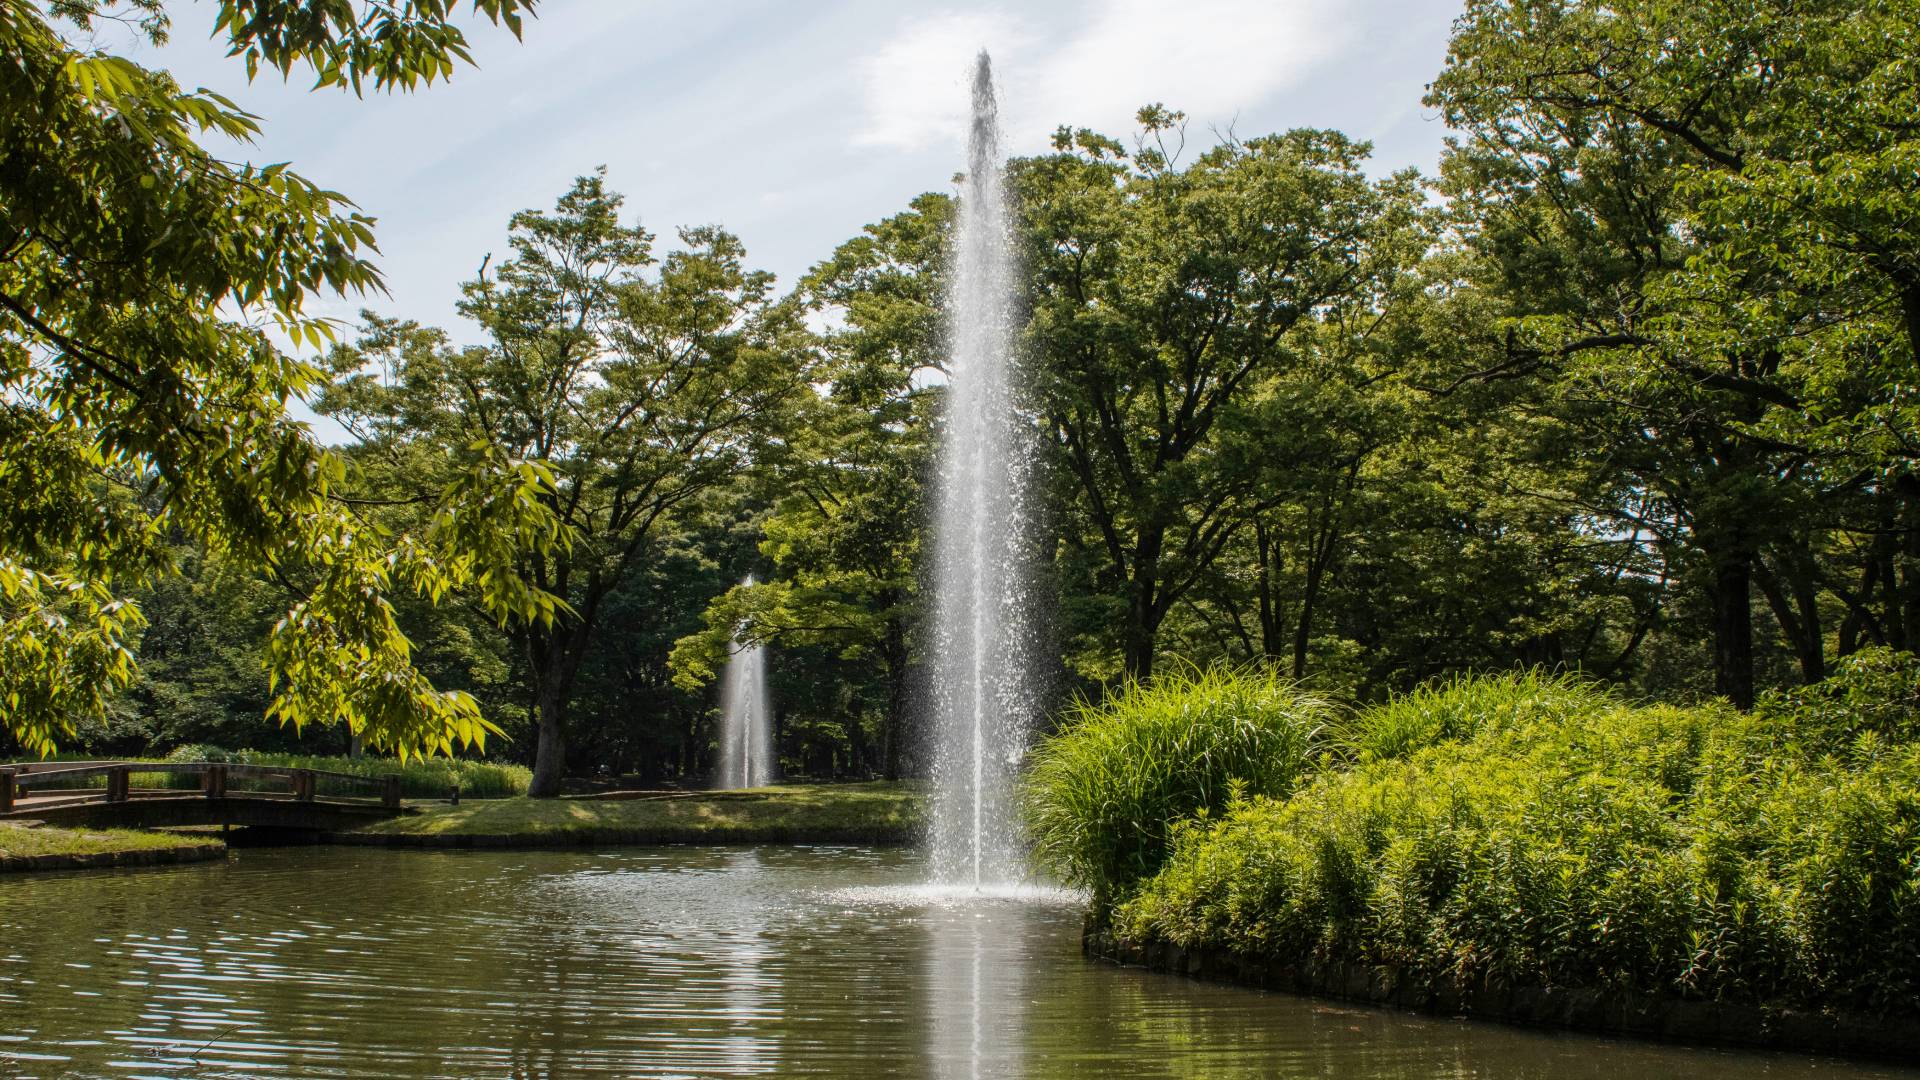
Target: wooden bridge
<point x="67" y="793"/>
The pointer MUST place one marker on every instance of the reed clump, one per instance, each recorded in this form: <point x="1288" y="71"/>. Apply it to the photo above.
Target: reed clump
<point x="1103" y="795"/>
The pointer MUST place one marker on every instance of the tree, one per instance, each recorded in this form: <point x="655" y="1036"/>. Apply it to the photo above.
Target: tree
<point x="644" y="393"/>
<point x="1163" y="298"/>
<point x="844" y="536"/>
<point x="1698" y="213"/>
<point x="144" y="400"/>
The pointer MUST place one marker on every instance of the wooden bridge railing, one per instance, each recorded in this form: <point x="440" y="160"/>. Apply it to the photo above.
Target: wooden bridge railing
<point x="301" y="784"/>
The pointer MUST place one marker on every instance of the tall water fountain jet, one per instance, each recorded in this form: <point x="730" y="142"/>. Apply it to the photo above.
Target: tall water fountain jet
<point x="746" y="721"/>
<point x="982" y="681"/>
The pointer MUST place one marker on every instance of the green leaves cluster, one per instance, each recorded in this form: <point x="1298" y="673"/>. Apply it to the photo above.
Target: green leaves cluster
<point x="143" y="403"/>
<point x="1172" y="305"/>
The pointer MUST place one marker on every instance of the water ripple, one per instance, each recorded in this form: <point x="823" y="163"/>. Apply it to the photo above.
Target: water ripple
<point x="683" y="962"/>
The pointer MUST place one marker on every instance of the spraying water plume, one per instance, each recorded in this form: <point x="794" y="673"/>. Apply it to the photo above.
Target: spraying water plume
<point x="983" y="684"/>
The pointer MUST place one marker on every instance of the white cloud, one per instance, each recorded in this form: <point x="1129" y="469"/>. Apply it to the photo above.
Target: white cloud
<point x="916" y="83"/>
<point x="1093" y="65"/>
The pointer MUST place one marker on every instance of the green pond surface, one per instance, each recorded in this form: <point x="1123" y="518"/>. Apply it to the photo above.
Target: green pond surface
<point x="676" y="962"/>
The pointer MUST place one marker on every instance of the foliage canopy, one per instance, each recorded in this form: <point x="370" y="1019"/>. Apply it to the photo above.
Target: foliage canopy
<point x="145" y="400"/>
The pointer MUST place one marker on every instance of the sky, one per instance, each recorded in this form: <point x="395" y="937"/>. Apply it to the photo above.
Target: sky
<point x="793" y="125"/>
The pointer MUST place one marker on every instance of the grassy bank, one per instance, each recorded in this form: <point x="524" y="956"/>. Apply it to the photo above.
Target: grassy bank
<point x="1538" y="832"/>
<point x="875" y="813"/>
<point x="57" y="849"/>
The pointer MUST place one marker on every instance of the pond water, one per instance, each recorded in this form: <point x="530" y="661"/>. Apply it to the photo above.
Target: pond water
<point x="680" y="962"/>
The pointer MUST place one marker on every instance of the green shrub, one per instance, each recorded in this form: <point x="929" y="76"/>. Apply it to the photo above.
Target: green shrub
<point x="426" y="778"/>
<point x="1872" y="694"/>
<point x="1689" y="852"/>
<point x="1103" y="794"/>
<point x="1467" y="706"/>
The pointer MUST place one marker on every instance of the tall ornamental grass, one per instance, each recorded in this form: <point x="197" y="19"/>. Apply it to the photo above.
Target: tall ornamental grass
<point x="1698" y="853"/>
<point x="1103" y="794"/>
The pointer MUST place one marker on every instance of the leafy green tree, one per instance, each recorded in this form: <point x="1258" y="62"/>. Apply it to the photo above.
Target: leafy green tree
<point x="627" y="713"/>
<point x="646" y="393"/>
<point x="1164" y="298"/>
<point x="1695" y="212"/>
<point x="144" y="400"/>
<point x="1313" y="425"/>
<point x="845" y="532"/>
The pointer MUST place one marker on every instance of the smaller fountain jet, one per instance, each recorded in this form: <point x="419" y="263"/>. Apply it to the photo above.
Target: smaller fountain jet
<point x="746" y="721"/>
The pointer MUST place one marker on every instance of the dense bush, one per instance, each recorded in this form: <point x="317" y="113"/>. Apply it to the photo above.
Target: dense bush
<point x="1102" y="795"/>
<point x="1465" y="707"/>
<point x="1691" y="852"/>
<point x="1873" y="694"/>
<point x="423" y="778"/>
<point x="428" y="778"/>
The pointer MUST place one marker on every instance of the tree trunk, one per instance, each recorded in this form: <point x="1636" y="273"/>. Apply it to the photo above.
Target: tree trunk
<point x="1732" y="596"/>
<point x="1806" y="595"/>
<point x="1143" y="608"/>
<point x="1318" y="560"/>
<point x="1797" y="613"/>
<point x="550" y="751"/>
<point x="1303" y="630"/>
<point x="553" y="655"/>
<point x="894" y="656"/>
<point x="1907" y="585"/>
<point x="1265" y="551"/>
<point x="690" y="744"/>
<point x="859" y="751"/>
<point x="1863" y="624"/>
<point x="1137" y="645"/>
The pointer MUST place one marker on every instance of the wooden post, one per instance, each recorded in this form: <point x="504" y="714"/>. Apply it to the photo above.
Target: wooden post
<point x="117" y="784"/>
<point x="390" y="794"/>
<point x="6" y="791"/>
<point x="214" y="782"/>
<point x="303" y="785"/>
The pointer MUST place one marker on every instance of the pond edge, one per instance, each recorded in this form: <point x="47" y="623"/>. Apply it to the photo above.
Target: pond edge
<point x="563" y="841"/>
<point x="1603" y="1012"/>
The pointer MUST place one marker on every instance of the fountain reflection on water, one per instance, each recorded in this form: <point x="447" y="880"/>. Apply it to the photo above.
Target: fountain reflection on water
<point x="752" y="1004"/>
<point x="982" y="670"/>
<point x="746" y="719"/>
<point x="975" y="994"/>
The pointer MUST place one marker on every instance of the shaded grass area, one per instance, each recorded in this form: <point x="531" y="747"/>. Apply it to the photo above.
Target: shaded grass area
<point x="56" y="849"/>
<point x="873" y="813"/>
